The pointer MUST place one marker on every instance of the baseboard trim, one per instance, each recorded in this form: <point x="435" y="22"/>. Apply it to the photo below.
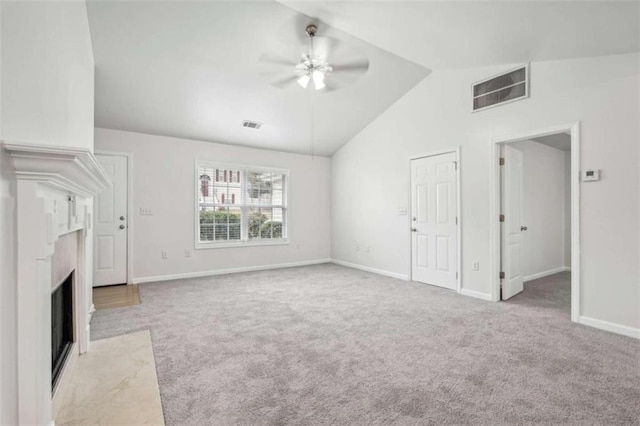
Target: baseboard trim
<point x="476" y="294"/>
<point x="370" y="269"/>
<point x="610" y="326"/>
<point x="546" y="273"/>
<point x="200" y="274"/>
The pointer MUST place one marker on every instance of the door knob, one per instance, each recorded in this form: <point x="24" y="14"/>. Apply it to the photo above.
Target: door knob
<point x="122" y="227"/>
<point x="121" y="217"/>
<point x="523" y="228"/>
<point x="414" y="230"/>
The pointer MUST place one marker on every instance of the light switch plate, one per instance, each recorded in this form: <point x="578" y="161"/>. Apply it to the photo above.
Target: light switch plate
<point x="591" y="175"/>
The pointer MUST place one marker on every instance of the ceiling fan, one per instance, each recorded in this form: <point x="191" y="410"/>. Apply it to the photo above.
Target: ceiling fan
<point x="326" y="64"/>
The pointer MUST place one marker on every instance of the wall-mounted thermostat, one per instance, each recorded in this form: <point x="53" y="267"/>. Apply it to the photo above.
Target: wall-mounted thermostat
<point x="590" y="175"/>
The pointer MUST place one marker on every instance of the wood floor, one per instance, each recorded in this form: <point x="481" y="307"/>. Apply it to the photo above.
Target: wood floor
<point x="115" y="296"/>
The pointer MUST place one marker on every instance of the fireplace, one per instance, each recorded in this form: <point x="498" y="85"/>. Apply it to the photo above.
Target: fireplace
<point x="53" y="207"/>
<point x="61" y="327"/>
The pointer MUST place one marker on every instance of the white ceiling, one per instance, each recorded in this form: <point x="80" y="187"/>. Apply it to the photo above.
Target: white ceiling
<point x="461" y="34"/>
<point x="190" y="69"/>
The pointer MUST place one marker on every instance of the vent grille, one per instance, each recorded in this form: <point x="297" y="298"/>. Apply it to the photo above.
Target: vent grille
<point x="507" y="87"/>
<point x="251" y="124"/>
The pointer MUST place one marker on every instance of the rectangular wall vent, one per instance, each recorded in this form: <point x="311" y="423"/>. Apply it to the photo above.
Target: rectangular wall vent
<point x="251" y="124"/>
<point x="508" y="87"/>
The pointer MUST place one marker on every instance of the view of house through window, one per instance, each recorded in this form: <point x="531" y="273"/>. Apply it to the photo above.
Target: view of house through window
<point x="241" y="205"/>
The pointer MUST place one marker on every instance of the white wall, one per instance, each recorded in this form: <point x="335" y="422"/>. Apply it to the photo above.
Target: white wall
<point x="47" y="73"/>
<point x="370" y="175"/>
<point x="163" y="180"/>
<point x="46" y="87"/>
<point x="543" y="212"/>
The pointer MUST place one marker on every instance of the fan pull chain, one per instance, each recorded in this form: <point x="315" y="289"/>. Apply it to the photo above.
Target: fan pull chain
<point x="311" y="119"/>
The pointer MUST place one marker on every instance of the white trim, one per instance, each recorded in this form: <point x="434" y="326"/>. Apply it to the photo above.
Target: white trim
<point x="243" y="243"/>
<point x="546" y="273"/>
<point x="456" y="151"/>
<point x="610" y="326"/>
<point x="476" y="294"/>
<point x="574" y="128"/>
<point x="370" y="269"/>
<point x="129" y="157"/>
<point x="92" y="310"/>
<point x="200" y="274"/>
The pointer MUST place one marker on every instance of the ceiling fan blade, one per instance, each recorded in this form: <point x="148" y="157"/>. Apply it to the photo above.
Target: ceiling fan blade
<point x="284" y="82"/>
<point x="268" y="60"/>
<point x="359" y="67"/>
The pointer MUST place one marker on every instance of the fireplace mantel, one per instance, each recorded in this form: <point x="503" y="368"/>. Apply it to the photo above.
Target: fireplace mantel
<point x="72" y="170"/>
<point x="54" y="196"/>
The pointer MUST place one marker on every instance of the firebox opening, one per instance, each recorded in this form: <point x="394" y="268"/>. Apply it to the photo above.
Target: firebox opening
<point x="61" y="327"/>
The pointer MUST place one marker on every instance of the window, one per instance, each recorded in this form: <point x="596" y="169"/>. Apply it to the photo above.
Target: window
<point x="240" y="205"/>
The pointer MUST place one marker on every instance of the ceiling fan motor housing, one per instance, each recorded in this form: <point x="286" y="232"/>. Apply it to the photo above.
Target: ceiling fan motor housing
<point x="311" y="30"/>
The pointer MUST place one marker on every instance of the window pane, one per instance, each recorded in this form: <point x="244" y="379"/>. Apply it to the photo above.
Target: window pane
<point x="259" y="188"/>
<point x="256" y="219"/>
<point x="227" y="224"/>
<point x="206" y="224"/>
<point x="277" y="219"/>
<point x="234" y="224"/>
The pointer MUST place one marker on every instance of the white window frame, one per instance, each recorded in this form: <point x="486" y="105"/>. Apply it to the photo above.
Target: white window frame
<point x="245" y="242"/>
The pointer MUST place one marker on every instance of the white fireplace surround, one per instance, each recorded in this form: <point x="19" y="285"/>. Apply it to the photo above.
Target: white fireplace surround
<point x="54" y="197"/>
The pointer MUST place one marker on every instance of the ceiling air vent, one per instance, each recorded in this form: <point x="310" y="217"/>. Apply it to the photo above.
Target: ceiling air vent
<point x="251" y="124"/>
<point x="507" y="87"/>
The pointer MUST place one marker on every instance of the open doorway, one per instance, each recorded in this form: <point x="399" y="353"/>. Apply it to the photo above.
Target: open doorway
<point x="536" y="235"/>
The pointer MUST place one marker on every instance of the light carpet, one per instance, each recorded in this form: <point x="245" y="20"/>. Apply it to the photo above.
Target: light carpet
<point x="327" y="344"/>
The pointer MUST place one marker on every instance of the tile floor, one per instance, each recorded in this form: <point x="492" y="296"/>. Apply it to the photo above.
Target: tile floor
<point x="114" y="383"/>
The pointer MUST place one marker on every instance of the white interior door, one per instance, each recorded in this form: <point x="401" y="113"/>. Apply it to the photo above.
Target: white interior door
<point x="511" y="229"/>
<point x="110" y="225"/>
<point x="434" y="206"/>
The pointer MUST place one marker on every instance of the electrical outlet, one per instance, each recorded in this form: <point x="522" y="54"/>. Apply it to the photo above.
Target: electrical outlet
<point x="476" y="265"/>
<point x="165" y="255"/>
<point x="187" y="253"/>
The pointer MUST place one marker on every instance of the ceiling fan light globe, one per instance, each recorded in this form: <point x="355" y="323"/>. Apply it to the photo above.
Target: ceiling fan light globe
<point x="318" y="80"/>
<point x="304" y="81"/>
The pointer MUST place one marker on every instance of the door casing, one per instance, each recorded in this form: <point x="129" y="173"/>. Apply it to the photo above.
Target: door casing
<point x="458" y="212"/>
<point x="129" y="157"/>
<point x="574" y="130"/>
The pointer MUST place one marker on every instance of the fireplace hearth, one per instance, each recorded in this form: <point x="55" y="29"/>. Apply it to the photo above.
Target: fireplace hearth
<point x="61" y="327"/>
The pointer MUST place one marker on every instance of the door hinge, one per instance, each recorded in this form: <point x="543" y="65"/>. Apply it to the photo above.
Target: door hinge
<point x="501" y="218"/>
<point x="456" y="220"/>
<point x="455" y="165"/>
<point x="501" y="162"/>
<point x="501" y="275"/>
<point x="456" y="275"/>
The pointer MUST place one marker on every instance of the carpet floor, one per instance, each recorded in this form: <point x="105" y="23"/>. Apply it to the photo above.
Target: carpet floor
<point x="327" y="344"/>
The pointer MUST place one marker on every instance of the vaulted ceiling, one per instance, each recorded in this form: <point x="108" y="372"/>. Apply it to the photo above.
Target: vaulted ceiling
<point x="191" y="69"/>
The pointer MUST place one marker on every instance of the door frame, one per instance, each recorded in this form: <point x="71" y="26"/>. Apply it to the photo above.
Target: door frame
<point x="129" y="157"/>
<point x="495" y="199"/>
<point x="456" y="151"/>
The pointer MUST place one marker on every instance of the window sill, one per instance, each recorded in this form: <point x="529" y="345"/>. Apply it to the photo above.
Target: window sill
<point x="204" y="246"/>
